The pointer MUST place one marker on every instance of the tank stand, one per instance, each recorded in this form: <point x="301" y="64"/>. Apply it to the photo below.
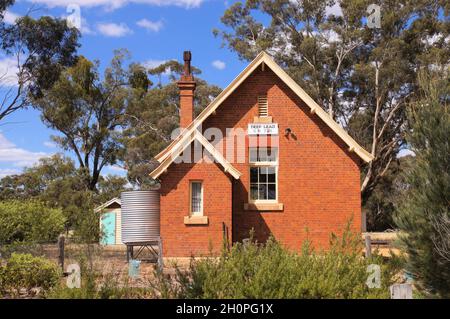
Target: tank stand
<point x="154" y="254"/>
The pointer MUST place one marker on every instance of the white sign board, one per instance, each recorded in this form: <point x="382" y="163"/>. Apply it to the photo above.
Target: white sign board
<point x="263" y="129"/>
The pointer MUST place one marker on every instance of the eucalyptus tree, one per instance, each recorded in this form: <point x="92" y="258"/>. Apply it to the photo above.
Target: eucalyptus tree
<point x="34" y="52"/>
<point x="87" y="112"/>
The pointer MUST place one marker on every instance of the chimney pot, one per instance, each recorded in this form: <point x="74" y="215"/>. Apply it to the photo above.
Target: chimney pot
<point x="186" y="85"/>
<point x="187" y="62"/>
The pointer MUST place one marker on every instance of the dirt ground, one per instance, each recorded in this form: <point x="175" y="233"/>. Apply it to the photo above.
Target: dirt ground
<point x="112" y="261"/>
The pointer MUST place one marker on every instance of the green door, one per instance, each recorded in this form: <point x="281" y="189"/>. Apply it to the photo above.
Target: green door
<point x="108" y="228"/>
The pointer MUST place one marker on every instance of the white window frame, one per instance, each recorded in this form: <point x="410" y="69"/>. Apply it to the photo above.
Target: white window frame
<point x="191" y="212"/>
<point x="273" y="164"/>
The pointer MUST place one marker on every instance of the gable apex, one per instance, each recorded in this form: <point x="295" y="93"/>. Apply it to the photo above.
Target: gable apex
<point x="266" y="61"/>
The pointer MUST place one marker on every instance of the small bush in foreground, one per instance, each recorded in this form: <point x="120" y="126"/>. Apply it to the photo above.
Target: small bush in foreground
<point x="253" y="270"/>
<point x="23" y="271"/>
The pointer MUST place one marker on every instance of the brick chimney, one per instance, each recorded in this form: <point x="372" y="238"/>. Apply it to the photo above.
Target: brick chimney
<point x="186" y="85"/>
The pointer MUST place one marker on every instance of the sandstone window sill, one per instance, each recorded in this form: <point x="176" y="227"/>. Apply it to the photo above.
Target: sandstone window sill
<point x="196" y="220"/>
<point x="264" y="206"/>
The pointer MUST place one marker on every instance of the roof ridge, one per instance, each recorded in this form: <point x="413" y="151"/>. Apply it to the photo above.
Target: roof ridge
<point x="265" y="58"/>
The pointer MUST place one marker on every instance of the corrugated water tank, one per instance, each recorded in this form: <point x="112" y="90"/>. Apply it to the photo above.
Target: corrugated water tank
<point x="140" y="216"/>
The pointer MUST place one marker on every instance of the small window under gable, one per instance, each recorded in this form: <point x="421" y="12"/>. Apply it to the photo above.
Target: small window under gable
<point x="263" y="107"/>
<point x="196" y="200"/>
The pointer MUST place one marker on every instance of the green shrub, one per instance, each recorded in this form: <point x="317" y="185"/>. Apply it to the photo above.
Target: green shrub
<point x="270" y="271"/>
<point x="23" y="271"/>
<point x="29" y="221"/>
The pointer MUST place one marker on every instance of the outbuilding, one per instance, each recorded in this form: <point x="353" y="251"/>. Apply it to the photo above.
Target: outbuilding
<point x="110" y="222"/>
<point x="272" y="162"/>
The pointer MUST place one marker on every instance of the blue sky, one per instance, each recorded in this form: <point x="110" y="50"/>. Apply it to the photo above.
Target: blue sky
<point x="152" y="30"/>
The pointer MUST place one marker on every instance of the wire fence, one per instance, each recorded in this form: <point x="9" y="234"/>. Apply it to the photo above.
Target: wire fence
<point x="104" y="260"/>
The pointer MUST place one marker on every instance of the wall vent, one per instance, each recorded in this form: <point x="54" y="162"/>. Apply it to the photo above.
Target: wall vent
<point x="263" y="108"/>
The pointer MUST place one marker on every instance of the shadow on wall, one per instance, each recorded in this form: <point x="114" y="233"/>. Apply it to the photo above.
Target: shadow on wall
<point x="245" y="222"/>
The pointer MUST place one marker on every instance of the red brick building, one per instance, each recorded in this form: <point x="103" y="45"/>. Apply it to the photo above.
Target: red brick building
<point x="299" y="176"/>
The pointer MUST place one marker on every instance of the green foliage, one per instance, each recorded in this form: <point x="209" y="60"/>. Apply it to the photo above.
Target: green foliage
<point x="424" y="212"/>
<point x="87" y="112"/>
<point x="35" y="181"/>
<point x="86" y="227"/>
<point x="381" y="205"/>
<point x="109" y="286"/>
<point x="56" y="182"/>
<point x="42" y="48"/>
<point x="23" y="271"/>
<point x="252" y="270"/>
<point x="110" y="186"/>
<point x="29" y="221"/>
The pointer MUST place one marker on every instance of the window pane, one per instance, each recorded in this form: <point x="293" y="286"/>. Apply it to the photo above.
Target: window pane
<point x="253" y="175"/>
<point x="271" y="174"/>
<point x="254" y="191"/>
<point x="263" y="179"/>
<point x="263" y="174"/>
<point x="271" y="193"/>
<point x="253" y="154"/>
<point x="262" y="191"/>
<point x="263" y="154"/>
<point x="272" y="154"/>
<point x="267" y="154"/>
<point x="196" y="200"/>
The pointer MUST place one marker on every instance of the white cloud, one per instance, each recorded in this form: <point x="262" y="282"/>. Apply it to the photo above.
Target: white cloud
<point x="18" y="157"/>
<point x="154" y="26"/>
<point x="49" y="144"/>
<point x="115" y="168"/>
<point x="150" y="64"/>
<point x="114" y="4"/>
<point x="114" y="30"/>
<point x="153" y="63"/>
<point x="85" y="28"/>
<point x="10" y="17"/>
<point x="8" y="71"/>
<point x="8" y="171"/>
<point x="220" y="65"/>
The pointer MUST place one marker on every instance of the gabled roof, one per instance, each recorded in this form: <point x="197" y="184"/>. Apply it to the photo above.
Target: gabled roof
<point x="264" y="59"/>
<point x="176" y="147"/>
<point x="115" y="200"/>
<point x="180" y="147"/>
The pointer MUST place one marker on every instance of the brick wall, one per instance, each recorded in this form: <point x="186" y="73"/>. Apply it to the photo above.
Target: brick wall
<point x="180" y="240"/>
<point x="318" y="179"/>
